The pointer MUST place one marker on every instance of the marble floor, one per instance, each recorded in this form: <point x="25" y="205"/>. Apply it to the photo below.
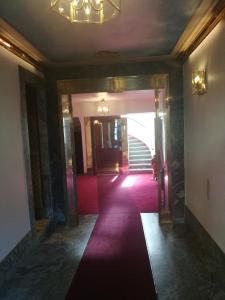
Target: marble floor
<point x="47" y="272"/>
<point x="178" y="270"/>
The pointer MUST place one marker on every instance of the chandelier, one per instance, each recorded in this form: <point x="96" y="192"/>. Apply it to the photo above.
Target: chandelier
<point x="87" y="11"/>
<point x="102" y="108"/>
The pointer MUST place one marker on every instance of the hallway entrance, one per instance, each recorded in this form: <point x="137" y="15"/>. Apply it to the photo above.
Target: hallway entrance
<point x="84" y="100"/>
<point x="119" y="142"/>
<point x="117" y="183"/>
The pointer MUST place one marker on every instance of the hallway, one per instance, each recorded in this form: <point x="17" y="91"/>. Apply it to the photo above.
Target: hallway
<point x="117" y="254"/>
<point x="179" y="269"/>
<point x="115" y="263"/>
<point x="70" y="90"/>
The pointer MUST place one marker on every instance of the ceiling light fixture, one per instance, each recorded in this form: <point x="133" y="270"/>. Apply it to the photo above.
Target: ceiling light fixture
<point x="87" y="11"/>
<point x="102" y="108"/>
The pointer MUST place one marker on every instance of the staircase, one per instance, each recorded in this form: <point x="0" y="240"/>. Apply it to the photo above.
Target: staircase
<point x="139" y="156"/>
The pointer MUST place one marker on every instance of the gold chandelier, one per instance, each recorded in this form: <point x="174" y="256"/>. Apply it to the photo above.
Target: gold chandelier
<point x="87" y="11"/>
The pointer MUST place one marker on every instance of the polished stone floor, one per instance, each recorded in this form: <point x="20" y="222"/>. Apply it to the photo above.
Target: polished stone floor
<point x="47" y="272"/>
<point x="178" y="270"/>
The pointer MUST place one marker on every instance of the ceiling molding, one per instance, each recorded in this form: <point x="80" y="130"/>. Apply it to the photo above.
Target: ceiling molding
<point x="112" y="60"/>
<point x="21" y="46"/>
<point x="206" y="17"/>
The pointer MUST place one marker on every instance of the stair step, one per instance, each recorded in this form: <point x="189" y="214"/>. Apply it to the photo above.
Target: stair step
<point x="139" y="147"/>
<point x="139" y="160"/>
<point x="139" y="156"/>
<point x="138" y="164"/>
<point x="146" y="167"/>
<point x="134" y="143"/>
<point x="141" y="171"/>
<point x="140" y="150"/>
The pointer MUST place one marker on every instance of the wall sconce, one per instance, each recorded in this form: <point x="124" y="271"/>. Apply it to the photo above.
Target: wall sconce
<point x="199" y="82"/>
<point x="116" y="85"/>
<point x="102" y="108"/>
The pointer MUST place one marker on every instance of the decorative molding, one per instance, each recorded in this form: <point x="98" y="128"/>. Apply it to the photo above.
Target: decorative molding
<point x="20" y="46"/>
<point x="107" y="84"/>
<point x="207" y="16"/>
<point x="111" y="60"/>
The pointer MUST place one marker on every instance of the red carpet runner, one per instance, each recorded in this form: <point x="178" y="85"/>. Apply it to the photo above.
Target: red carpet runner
<point x="142" y="186"/>
<point x="115" y="264"/>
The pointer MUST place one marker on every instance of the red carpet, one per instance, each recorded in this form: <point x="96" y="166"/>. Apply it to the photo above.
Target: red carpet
<point x="115" y="264"/>
<point x="87" y="194"/>
<point x="91" y="189"/>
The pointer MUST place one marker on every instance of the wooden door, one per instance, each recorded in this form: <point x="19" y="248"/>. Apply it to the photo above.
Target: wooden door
<point x="107" y="144"/>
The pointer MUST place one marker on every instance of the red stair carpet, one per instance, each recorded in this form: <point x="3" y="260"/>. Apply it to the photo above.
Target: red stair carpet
<point x="115" y="264"/>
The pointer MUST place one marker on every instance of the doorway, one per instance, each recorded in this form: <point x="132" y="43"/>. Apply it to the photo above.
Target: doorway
<point x="107" y="144"/>
<point x="36" y="151"/>
<point x="122" y="147"/>
<point x="158" y="85"/>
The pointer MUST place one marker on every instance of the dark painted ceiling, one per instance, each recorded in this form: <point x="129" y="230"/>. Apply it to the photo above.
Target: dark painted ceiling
<point x="144" y="28"/>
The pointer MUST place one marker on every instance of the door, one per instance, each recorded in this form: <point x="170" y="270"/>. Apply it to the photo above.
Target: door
<point x="35" y="154"/>
<point x="107" y="144"/>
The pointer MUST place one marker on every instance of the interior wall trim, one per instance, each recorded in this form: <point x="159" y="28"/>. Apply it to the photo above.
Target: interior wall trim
<point x="207" y="16"/>
<point x="113" y="84"/>
<point x="26" y="77"/>
<point x="20" y="46"/>
<point x="123" y="59"/>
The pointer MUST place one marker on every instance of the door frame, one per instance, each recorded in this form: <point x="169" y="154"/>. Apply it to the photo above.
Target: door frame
<point x="117" y="84"/>
<point x="27" y="77"/>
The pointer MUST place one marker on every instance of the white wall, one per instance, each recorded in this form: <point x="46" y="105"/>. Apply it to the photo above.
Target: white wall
<point x="14" y="214"/>
<point x="142" y="126"/>
<point x="205" y="136"/>
<point x="119" y="107"/>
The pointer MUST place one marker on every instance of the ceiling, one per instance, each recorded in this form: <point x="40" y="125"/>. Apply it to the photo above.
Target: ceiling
<point x="144" y="28"/>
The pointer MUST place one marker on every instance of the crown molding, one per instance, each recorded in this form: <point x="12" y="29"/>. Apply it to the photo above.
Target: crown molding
<point x="206" y="17"/>
<point x="20" y="46"/>
<point x="112" y="60"/>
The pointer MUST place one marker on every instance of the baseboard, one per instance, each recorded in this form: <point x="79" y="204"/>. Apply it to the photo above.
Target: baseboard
<point x="212" y="255"/>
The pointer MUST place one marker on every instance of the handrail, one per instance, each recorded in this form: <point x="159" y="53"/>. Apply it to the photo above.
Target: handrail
<point x="135" y="121"/>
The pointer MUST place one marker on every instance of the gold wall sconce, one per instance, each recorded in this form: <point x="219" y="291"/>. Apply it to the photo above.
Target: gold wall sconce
<point x="199" y="82"/>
